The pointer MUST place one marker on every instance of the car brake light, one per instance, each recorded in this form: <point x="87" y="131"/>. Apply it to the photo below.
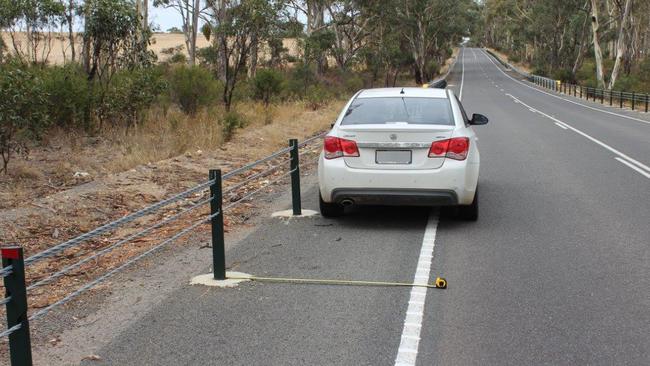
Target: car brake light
<point x="336" y="147"/>
<point x="455" y="148"/>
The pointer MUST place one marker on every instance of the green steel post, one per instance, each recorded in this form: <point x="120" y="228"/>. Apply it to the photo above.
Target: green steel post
<point x="295" y="177"/>
<point x="20" y="348"/>
<point x="216" y="212"/>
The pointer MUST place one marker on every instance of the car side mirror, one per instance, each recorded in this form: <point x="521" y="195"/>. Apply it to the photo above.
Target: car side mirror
<point x="478" y="119"/>
<point x="332" y="124"/>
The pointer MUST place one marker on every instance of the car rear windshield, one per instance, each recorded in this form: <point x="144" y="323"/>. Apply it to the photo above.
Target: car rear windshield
<point x="423" y="111"/>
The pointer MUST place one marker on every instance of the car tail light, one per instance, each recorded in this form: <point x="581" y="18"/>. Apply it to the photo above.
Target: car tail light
<point x="455" y="148"/>
<point x="336" y="147"/>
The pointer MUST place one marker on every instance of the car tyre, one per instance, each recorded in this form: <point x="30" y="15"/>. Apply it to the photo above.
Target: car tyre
<point x="469" y="212"/>
<point x="329" y="209"/>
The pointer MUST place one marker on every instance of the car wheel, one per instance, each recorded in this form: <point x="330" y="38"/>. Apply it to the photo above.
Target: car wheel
<point x="329" y="209"/>
<point x="469" y="212"/>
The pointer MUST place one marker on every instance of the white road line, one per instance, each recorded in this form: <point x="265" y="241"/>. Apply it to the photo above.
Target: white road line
<point x="564" y="99"/>
<point x="462" y="74"/>
<point x="647" y="175"/>
<point x="407" y="352"/>
<point x="561" y="126"/>
<point x="593" y="139"/>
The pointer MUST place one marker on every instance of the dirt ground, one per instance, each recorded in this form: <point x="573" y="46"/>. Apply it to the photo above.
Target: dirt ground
<point x="85" y="202"/>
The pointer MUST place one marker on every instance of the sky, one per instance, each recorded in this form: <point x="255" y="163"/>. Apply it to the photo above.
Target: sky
<point x="164" y="18"/>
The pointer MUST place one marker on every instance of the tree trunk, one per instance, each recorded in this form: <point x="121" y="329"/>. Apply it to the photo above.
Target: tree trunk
<point x="194" y="29"/>
<point x="145" y="15"/>
<point x="252" y="66"/>
<point x="86" y="38"/>
<point x="70" y="17"/>
<point x="220" y="42"/>
<point x="582" y="50"/>
<point x="620" y="45"/>
<point x="315" y="21"/>
<point x="598" y="53"/>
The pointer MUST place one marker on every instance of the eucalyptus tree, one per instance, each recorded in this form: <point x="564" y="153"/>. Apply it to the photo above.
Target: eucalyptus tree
<point x="36" y="19"/>
<point x="232" y="24"/>
<point x="189" y="11"/>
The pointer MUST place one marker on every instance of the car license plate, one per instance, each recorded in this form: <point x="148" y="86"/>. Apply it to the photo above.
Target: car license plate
<point x="393" y="156"/>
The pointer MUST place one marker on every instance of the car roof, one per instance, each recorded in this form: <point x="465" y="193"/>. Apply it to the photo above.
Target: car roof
<point x="409" y="92"/>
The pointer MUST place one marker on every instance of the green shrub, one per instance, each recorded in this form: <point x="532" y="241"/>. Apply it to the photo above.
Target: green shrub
<point x="563" y="74"/>
<point x="316" y="96"/>
<point x="231" y="122"/>
<point x="432" y="68"/>
<point x="353" y="83"/>
<point x="300" y="78"/>
<point x="193" y="87"/>
<point x="539" y="71"/>
<point x="644" y="69"/>
<point x="129" y="94"/>
<point x="244" y="90"/>
<point x="23" y="110"/>
<point x="69" y="96"/>
<point x="586" y="71"/>
<point x="178" y="58"/>
<point x="267" y="83"/>
<point x="514" y="58"/>
<point x="628" y="83"/>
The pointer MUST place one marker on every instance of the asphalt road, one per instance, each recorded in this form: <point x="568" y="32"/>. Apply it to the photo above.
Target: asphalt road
<point x="555" y="272"/>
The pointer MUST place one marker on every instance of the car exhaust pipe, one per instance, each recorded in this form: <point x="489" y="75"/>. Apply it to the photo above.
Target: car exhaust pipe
<point x="347" y="202"/>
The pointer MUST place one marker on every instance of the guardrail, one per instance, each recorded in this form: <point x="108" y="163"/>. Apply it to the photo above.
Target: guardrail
<point x="441" y="81"/>
<point x="14" y="263"/>
<point x="621" y="99"/>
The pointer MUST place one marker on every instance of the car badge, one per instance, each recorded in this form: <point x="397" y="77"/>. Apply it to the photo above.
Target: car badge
<point x="393" y="136"/>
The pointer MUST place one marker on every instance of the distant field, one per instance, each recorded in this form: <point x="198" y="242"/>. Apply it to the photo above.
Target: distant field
<point x="59" y="50"/>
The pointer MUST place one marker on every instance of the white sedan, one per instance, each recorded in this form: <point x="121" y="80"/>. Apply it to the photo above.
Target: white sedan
<point x="401" y="146"/>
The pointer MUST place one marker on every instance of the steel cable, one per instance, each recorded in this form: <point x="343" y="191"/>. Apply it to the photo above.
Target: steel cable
<point x="6" y="271"/>
<point x="115" y="270"/>
<point x="255" y="163"/>
<point x="71" y="267"/>
<point x="313" y="138"/>
<point x="112" y="225"/>
<point x="248" y="195"/>
<point x="11" y="330"/>
<point x="255" y="176"/>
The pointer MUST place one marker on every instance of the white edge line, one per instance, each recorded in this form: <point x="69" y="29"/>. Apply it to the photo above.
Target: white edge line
<point x="410" y="339"/>
<point x="637" y="169"/>
<point x="564" y="99"/>
<point x="462" y="74"/>
<point x="561" y="126"/>
<point x="622" y="155"/>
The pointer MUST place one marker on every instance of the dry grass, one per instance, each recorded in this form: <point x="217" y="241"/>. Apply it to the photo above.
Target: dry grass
<point x="164" y="136"/>
<point x="520" y="65"/>
<point x="66" y="159"/>
<point x="450" y="61"/>
<point x="59" y="51"/>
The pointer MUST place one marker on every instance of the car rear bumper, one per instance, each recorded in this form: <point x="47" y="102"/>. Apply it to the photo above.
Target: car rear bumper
<point x="395" y="197"/>
<point x="454" y="183"/>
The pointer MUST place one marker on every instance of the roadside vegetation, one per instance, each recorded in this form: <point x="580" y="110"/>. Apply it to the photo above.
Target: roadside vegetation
<point x="112" y="90"/>
<point x="596" y="43"/>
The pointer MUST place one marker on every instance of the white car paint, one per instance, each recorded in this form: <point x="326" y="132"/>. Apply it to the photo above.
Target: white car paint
<point x="424" y="173"/>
